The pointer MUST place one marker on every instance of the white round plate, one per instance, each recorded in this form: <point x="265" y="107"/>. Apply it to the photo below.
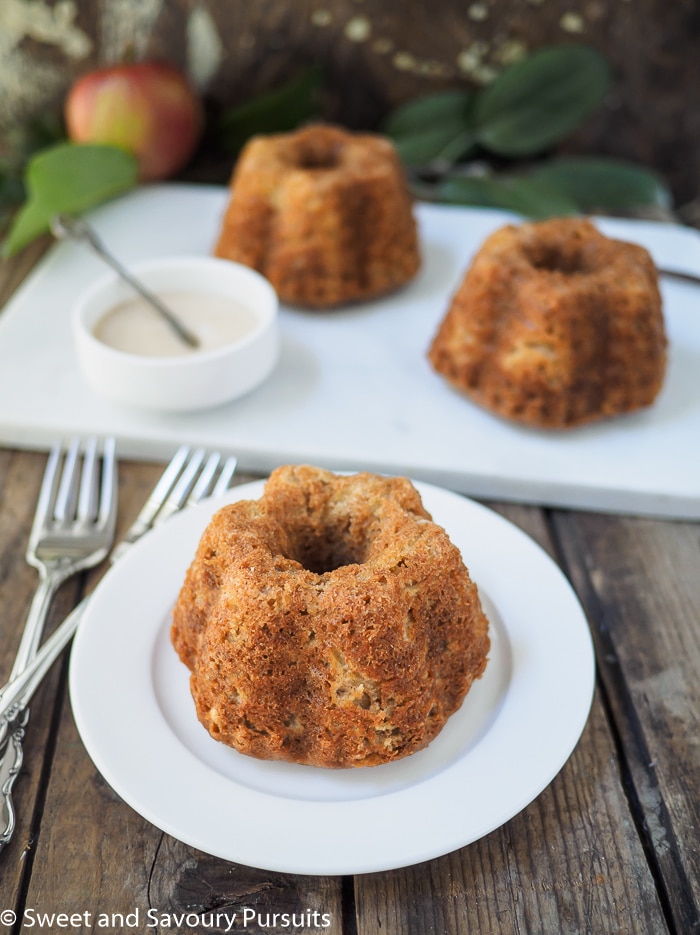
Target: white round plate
<point x="515" y="730"/>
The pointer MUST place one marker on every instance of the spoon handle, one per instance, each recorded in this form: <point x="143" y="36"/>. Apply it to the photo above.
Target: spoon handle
<point x="682" y="277"/>
<point x="78" y="229"/>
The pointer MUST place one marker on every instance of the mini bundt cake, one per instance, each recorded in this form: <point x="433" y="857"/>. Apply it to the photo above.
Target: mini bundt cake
<point x="329" y="623"/>
<point x="324" y="214"/>
<point x="555" y="325"/>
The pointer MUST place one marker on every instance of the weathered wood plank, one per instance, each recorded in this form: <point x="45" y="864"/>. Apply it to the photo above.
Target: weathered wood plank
<point x="640" y="584"/>
<point x="261" y="901"/>
<point x="571" y="862"/>
<point x="95" y="854"/>
<point x="20" y="480"/>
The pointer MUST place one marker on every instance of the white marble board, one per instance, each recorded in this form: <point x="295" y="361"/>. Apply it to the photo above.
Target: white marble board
<point x="353" y="389"/>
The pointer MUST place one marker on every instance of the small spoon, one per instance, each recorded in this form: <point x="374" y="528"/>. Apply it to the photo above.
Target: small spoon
<point x="682" y="277"/>
<point x="63" y="226"/>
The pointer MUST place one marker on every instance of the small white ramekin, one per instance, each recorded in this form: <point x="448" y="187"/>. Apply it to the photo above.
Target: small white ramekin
<point x="192" y="381"/>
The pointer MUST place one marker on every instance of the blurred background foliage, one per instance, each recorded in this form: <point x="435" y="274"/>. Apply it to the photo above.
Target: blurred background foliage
<point x="539" y="106"/>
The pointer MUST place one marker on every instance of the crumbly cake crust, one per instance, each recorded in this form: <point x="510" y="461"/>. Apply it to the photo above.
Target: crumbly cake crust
<point x="324" y="214"/>
<point x="330" y="623"/>
<point x="555" y="325"/>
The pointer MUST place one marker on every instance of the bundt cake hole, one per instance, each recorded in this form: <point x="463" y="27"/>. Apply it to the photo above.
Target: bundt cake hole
<point x="326" y="550"/>
<point x="554" y="258"/>
<point x="319" y="157"/>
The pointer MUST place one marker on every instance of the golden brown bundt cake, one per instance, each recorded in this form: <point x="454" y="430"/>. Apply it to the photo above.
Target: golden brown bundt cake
<point x="324" y="214"/>
<point x="555" y="325"/>
<point x="330" y="623"/>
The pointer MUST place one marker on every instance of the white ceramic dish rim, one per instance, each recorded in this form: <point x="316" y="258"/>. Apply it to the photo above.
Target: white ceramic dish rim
<point x="266" y="314"/>
<point x="524" y="742"/>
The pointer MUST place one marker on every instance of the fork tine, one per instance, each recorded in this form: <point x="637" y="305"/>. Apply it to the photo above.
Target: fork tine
<point x="48" y="490"/>
<point x="107" y="512"/>
<point x="180" y="485"/>
<point x="68" y="488"/>
<point x="87" y="496"/>
<point x="188" y="491"/>
<point x="227" y="472"/>
<point x="178" y="495"/>
<point x="163" y="487"/>
<point x="204" y="481"/>
<point x="152" y="507"/>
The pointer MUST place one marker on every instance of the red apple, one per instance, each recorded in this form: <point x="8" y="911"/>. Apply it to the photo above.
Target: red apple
<point x="147" y="108"/>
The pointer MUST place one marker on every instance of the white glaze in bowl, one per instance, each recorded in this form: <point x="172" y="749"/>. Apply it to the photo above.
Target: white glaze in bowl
<point x="193" y="380"/>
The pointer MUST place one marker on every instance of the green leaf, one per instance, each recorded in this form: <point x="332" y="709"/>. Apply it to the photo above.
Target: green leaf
<point x="277" y="111"/>
<point x="604" y="184"/>
<point x="539" y="101"/>
<point x="430" y="110"/>
<point x="435" y="128"/>
<point x="70" y="178"/>
<point x="439" y="146"/>
<point x="523" y="196"/>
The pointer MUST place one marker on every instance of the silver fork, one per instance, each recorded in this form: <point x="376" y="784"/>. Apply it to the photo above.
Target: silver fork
<point x="73" y="529"/>
<point x="190" y="476"/>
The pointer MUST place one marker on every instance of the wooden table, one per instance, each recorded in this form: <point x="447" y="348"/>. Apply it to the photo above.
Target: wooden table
<point x="611" y="846"/>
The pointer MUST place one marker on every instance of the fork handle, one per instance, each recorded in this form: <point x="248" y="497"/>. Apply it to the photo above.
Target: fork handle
<point x="17" y="693"/>
<point x="49" y="583"/>
<point x="11" y="759"/>
<point x="14" y="698"/>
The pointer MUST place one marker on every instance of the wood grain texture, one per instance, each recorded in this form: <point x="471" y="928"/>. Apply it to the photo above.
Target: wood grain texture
<point x="93" y="853"/>
<point x="262" y="901"/>
<point x="566" y="864"/>
<point x="20" y="480"/>
<point x="639" y="582"/>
